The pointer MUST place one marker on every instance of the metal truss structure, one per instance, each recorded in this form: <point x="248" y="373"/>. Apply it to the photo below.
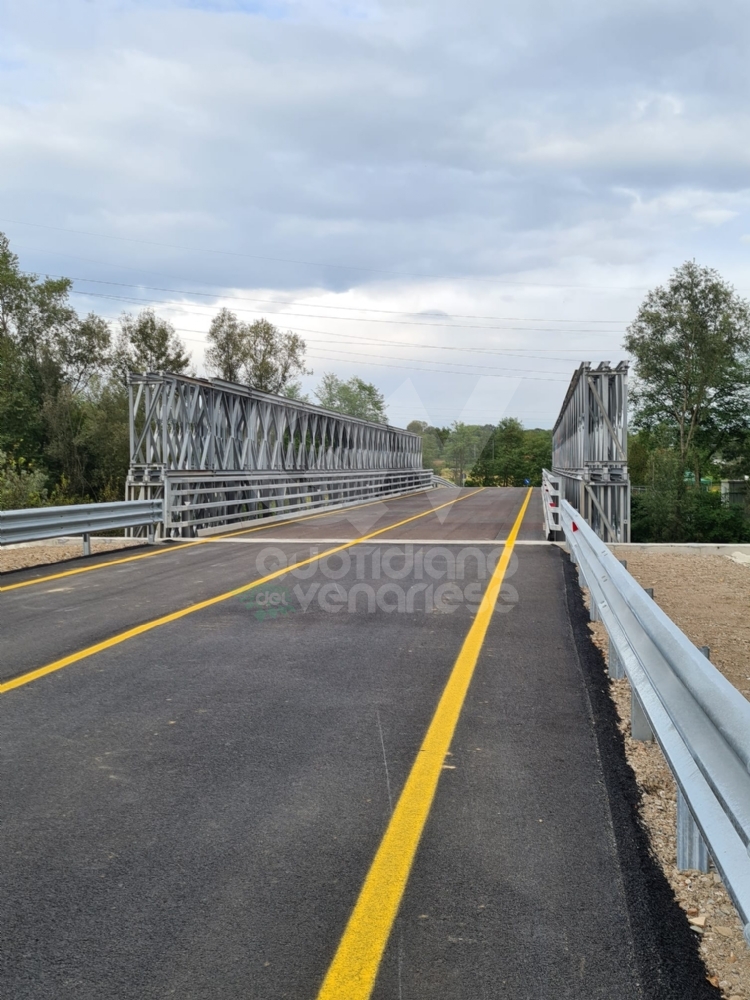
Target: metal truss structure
<point x="217" y="453"/>
<point x="590" y="449"/>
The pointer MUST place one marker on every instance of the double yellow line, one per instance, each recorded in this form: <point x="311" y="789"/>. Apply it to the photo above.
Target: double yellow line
<point x="115" y="640"/>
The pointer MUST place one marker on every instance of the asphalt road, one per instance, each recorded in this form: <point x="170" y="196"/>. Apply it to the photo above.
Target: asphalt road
<point x="192" y="812"/>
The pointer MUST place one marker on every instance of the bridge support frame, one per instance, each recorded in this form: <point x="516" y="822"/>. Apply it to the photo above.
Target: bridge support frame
<point x="590" y="449"/>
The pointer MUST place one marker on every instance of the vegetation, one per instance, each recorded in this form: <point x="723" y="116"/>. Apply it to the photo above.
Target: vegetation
<point x="354" y="397"/>
<point x="513" y="456"/>
<point x="63" y="397"/>
<point x="691" y="408"/>
<point x="64" y="407"/>
<point x="258" y="354"/>
<point x="483" y="455"/>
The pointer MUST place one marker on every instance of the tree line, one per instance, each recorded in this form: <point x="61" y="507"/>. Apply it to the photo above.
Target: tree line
<point x="505" y="454"/>
<point x="64" y="406"/>
<point x="64" y="435"/>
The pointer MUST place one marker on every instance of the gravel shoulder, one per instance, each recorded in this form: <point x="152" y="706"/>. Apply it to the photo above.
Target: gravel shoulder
<point x="13" y="557"/>
<point x="708" y="597"/>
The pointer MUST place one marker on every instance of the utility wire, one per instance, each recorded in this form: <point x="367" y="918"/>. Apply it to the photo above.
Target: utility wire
<point x="313" y="263"/>
<point x="280" y="316"/>
<point x="434" y="371"/>
<point x="291" y="302"/>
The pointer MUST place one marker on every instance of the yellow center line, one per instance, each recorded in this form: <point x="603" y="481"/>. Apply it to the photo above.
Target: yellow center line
<point x="354" y="969"/>
<point x="115" y="640"/>
<point x="189" y="545"/>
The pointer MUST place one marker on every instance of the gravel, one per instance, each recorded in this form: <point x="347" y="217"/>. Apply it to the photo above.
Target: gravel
<point x="708" y="598"/>
<point x="30" y="554"/>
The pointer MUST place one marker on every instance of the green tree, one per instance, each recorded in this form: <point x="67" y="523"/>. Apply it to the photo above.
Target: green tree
<point x="148" y="343"/>
<point x="463" y="447"/>
<point x="513" y="456"/>
<point x="84" y="352"/>
<point x="691" y="345"/>
<point x="228" y="353"/>
<point x="20" y="486"/>
<point x="354" y="397"/>
<point x="433" y="439"/>
<point x="274" y="359"/>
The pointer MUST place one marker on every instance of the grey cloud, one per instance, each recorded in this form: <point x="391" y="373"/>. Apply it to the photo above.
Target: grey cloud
<point x="474" y="139"/>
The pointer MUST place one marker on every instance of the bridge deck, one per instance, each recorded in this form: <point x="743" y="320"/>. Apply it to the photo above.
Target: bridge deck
<point x="192" y="811"/>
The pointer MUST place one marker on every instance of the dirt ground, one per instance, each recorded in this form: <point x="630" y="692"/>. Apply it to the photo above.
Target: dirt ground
<point x="708" y="597"/>
<point x="56" y="550"/>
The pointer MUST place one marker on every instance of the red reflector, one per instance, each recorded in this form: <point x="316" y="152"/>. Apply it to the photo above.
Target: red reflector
<point x="575" y="526"/>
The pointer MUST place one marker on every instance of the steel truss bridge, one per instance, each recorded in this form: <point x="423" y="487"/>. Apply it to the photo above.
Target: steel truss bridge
<point x="590" y="449"/>
<point x="218" y="453"/>
<point x="360" y="754"/>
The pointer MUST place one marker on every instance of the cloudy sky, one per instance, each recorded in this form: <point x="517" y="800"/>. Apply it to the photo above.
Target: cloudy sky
<point x="456" y="201"/>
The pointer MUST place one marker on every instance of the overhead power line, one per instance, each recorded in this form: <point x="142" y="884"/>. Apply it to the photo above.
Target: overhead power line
<point x="448" y="326"/>
<point x="292" y="302"/>
<point x="312" y="263"/>
<point x="482" y="369"/>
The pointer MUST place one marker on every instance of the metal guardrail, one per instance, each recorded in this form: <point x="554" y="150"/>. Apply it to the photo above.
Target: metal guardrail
<point x="37" y="523"/>
<point x="442" y="481"/>
<point x="701" y="722"/>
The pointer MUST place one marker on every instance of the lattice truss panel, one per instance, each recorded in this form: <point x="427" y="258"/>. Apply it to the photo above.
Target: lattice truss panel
<point x="217" y="452"/>
<point x="181" y="424"/>
<point x="590" y="449"/>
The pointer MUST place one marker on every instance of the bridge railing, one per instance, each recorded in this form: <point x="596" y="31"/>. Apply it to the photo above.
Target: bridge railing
<point x="196" y="502"/>
<point x="701" y="722"/>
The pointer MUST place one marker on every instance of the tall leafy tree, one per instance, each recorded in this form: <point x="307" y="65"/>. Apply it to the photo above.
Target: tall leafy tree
<point x="84" y="352"/>
<point x="148" y="343"/>
<point x="353" y="396"/>
<point x="274" y="359"/>
<point x="691" y="345"/>
<point x="229" y="350"/>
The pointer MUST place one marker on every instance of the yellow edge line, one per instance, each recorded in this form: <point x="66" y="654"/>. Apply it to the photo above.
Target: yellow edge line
<point x="82" y="654"/>
<point x="354" y="969"/>
<point x="188" y="545"/>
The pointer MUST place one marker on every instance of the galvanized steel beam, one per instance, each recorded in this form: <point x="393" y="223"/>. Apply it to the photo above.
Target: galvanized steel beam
<point x="590" y="449"/>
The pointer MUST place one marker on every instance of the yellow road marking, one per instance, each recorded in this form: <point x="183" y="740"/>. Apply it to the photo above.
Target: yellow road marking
<point x="353" y="971"/>
<point x="82" y="654"/>
<point x="188" y="545"/>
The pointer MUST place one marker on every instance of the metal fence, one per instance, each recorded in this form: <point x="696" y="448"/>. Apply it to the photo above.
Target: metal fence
<point x="37" y="523"/>
<point x="701" y="722"/>
<point x="217" y="453"/>
<point x="590" y="449"/>
<point x="194" y="502"/>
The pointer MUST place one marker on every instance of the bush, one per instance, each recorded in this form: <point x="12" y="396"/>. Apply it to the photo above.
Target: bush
<point x="20" y="487"/>
<point x="686" y="515"/>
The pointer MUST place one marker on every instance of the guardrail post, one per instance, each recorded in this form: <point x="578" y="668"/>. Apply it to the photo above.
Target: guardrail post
<point x="692" y="853"/>
<point x="614" y="663"/>
<point x="593" y="609"/>
<point x="640" y="728"/>
<point x="87" y="545"/>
